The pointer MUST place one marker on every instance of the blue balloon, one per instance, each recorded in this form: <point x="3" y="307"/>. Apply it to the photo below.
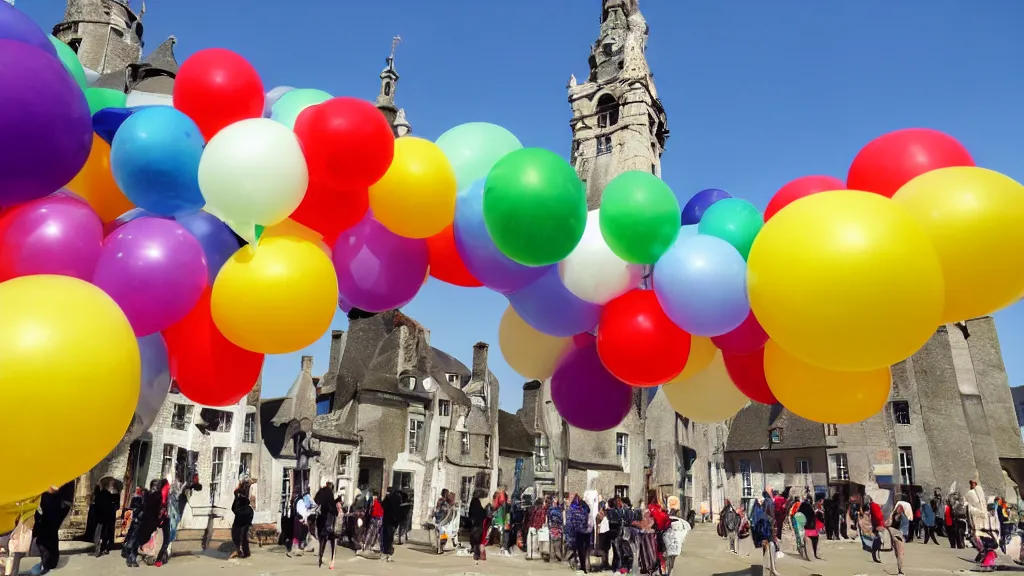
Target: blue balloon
<point x="156" y="382"/>
<point x="16" y="25"/>
<point x="688" y="230"/>
<point x="701" y="284"/>
<point x="218" y="241"/>
<point x="695" y="207"/>
<point x="549" y="307"/>
<point x="155" y="161"/>
<point x="482" y="258"/>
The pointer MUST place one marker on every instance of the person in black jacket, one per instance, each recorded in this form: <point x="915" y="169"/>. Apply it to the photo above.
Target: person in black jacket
<point x="130" y="548"/>
<point x="241" y="507"/>
<point x="54" y="507"/>
<point x="325" y="518"/>
<point x="392" y="505"/>
<point x="477" y="518"/>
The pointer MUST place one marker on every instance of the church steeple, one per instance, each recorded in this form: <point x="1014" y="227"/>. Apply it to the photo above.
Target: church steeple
<point x="618" y="121"/>
<point x="386" y="96"/>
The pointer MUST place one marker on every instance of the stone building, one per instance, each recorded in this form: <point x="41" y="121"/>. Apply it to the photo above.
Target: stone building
<point x="619" y="124"/>
<point x="391" y="411"/>
<point x="951" y="418"/>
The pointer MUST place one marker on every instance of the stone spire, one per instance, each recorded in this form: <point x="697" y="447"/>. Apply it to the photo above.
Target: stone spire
<point x="106" y="34"/>
<point x="618" y="121"/>
<point x="386" y="97"/>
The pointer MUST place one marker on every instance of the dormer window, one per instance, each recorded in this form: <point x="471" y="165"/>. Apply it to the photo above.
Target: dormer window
<point x="452" y="378"/>
<point x="408" y="382"/>
<point x="775" y="436"/>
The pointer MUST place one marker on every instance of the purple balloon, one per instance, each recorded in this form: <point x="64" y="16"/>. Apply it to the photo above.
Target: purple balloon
<point x="155" y="271"/>
<point x="377" y="269"/>
<point x="52" y="235"/>
<point x="550" y="308"/>
<point x="694" y="209"/>
<point x="45" y="126"/>
<point x="482" y="258"/>
<point x="343" y="305"/>
<point x="218" y="241"/>
<point x="16" y="25"/>
<point x="586" y="395"/>
<point x="156" y="382"/>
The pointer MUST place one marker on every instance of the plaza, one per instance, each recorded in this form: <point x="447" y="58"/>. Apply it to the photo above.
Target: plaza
<point x="704" y="554"/>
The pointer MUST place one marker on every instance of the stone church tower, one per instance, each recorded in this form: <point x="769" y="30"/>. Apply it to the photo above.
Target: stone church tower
<point x="106" y="34"/>
<point x="618" y="122"/>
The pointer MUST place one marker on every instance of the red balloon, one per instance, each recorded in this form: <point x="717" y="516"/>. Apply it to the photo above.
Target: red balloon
<point x="890" y="161"/>
<point x="746" y="338"/>
<point x="747" y="373"/>
<point x="216" y="88"/>
<point x="348" y="142"/>
<point x="208" y="368"/>
<point x="330" y="211"/>
<point x="799" y="188"/>
<point x="445" y="262"/>
<point x="638" y="343"/>
<point x="584" y="339"/>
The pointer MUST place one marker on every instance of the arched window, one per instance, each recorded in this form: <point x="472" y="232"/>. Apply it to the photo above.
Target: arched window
<point x="408" y="381"/>
<point x="607" y="111"/>
<point x="387" y="88"/>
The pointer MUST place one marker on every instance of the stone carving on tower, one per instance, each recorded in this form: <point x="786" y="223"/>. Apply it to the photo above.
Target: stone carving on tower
<point x="618" y="122"/>
<point x="386" y="98"/>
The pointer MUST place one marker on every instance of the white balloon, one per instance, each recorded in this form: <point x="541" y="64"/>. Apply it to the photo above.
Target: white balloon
<point x="253" y="172"/>
<point x="592" y="272"/>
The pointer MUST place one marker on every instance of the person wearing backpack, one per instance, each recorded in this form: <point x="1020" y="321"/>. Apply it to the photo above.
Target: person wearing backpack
<point x="731" y="525"/>
<point x="763" y="534"/>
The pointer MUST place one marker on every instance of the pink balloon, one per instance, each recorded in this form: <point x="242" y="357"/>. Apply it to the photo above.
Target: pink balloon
<point x="377" y="269"/>
<point x="155" y="270"/>
<point x="746" y="338"/>
<point x="51" y="235"/>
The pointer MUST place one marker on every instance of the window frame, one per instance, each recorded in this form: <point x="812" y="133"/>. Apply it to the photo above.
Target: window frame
<point x="465" y="443"/>
<point x="540" y="454"/>
<point x="444" y="408"/>
<point x="906" y="465"/>
<point x="414" y="435"/>
<point x="806" y="462"/>
<point x="249" y="428"/>
<point x="902" y="414"/>
<point x="746" y="479"/>
<point x="217" y="471"/>
<point x="622" y="445"/>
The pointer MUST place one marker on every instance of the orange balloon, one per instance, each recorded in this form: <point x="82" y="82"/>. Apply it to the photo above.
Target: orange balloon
<point x="95" y="184"/>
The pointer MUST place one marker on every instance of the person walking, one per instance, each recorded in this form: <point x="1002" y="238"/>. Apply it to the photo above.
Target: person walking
<point x="896" y="534"/>
<point x="928" y="521"/>
<point x="390" y="520"/>
<point x="478" y="520"/>
<point x="241" y="507"/>
<point x="731" y="524"/>
<point x="326" y="519"/>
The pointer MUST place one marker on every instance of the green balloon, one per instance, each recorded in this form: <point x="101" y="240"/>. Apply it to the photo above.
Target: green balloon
<point x="639" y="216"/>
<point x="474" y="148"/>
<point x="287" y="109"/>
<point x="535" y="207"/>
<point x="100" y="98"/>
<point x="734" y="220"/>
<point x="70" y="61"/>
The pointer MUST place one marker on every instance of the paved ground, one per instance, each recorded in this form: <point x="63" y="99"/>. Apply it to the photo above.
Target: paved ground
<point x="704" y="555"/>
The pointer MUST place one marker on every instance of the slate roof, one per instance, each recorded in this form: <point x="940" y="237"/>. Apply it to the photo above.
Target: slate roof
<point x="749" y="430"/>
<point x="155" y="74"/>
<point x="513" y="435"/>
<point x="300" y="403"/>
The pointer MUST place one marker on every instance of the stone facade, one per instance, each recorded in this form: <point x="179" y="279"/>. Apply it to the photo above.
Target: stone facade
<point x="106" y="34"/>
<point x="951" y="418"/>
<point x="391" y="411"/>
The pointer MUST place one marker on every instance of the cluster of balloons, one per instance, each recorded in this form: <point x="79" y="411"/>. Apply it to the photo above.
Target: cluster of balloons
<point x="763" y="307"/>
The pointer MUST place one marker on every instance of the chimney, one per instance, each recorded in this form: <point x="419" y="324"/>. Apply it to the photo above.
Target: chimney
<point x="307" y="364"/>
<point x="531" y="405"/>
<point x="480" y="362"/>
<point x="338" y="340"/>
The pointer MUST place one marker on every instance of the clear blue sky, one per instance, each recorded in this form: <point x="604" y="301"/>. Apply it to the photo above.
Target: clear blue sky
<point x="757" y="93"/>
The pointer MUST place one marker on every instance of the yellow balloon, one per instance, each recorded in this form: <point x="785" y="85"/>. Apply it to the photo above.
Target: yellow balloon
<point x="837" y="260"/>
<point x="799" y="386"/>
<point x="276" y="298"/>
<point x="289" y="227"/>
<point x="707" y="397"/>
<point x="530" y="353"/>
<point x="69" y="381"/>
<point x="702" y="352"/>
<point x="974" y="218"/>
<point x="416" y="198"/>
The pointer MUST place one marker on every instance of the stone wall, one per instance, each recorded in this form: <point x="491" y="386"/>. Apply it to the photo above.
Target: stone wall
<point x="106" y="31"/>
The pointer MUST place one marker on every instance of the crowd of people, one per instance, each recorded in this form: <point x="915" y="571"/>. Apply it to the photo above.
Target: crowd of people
<point x="321" y="522"/>
<point x="964" y="519"/>
<point x="576" y="529"/>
